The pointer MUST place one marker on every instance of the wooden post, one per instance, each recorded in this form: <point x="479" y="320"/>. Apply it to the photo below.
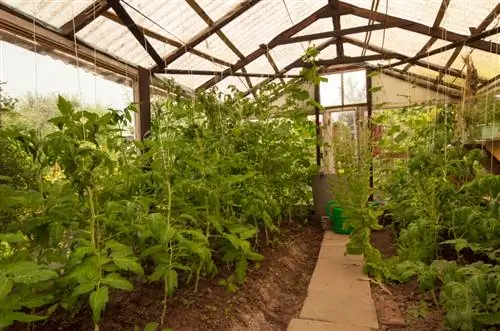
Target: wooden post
<point x="369" y="110"/>
<point x="318" y="128"/>
<point x="142" y="98"/>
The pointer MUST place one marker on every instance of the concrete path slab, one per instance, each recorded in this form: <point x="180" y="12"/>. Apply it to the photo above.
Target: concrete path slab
<point x="339" y="296"/>
<point x="309" y="325"/>
<point x="340" y="308"/>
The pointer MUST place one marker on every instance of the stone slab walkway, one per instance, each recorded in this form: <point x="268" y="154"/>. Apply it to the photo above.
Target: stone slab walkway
<point x="339" y="297"/>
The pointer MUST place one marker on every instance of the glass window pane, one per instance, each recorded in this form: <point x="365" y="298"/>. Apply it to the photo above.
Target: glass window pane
<point x="330" y="92"/>
<point x="354" y="87"/>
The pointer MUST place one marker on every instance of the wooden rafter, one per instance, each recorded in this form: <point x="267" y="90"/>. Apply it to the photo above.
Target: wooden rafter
<point x="204" y="16"/>
<point x="336" y="26"/>
<point x="437" y="23"/>
<point x="138" y="33"/>
<point x="467" y="40"/>
<point x="480" y="28"/>
<point x="273" y="64"/>
<point x="325" y="11"/>
<point x="348" y="60"/>
<point x="423" y="64"/>
<point x="340" y="33"/>
<point x="219" y="73"/>
<point x="408" y="25"/>
<point x="200" y="37"/>
<point x="290" y="66"/>
<point x="85" y="17"/>
<point x="166" y="40"/>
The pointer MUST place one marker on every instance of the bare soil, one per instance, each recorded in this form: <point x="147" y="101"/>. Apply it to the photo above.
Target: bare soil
<point x="271" y="296"/>
<point x="401" y="307"/>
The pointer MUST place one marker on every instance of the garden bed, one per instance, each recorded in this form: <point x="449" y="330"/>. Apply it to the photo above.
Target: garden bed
<point x="270" y="297"/>
<point x="401" y="307"/>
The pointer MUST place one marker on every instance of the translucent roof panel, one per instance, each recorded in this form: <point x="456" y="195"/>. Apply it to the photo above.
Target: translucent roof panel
<point x="284" y="55"/>
<point x="55" y="13"/>
<point x="116" y="39"/>
<point x="351" y="21"/>
<point x="216" y="9"/>
<point x="329" y="53"/>
<point x="353" y="50"/>
<point x="261" y="23"/>
<point x="174" y="19"/>
<point x="214" y="46"/>
<point x="420" y="11"/>
<point x="190" y="61"/>
<point x="321" y="25"/>
<point x="395" y="39"/>
<point x="260" y="66"/>
<point x="462" y="14"/>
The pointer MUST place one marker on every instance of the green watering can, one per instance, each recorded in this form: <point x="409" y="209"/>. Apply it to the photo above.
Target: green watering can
<point x="334" y="213"/>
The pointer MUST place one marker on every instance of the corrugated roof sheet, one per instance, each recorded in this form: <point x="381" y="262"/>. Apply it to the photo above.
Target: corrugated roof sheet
<point x="175" y="19"/>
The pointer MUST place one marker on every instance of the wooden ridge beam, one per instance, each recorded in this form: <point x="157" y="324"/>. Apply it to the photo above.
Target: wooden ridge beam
<point x="347" y="60"/>
<point x="437" y="23"/>
<point x="408" y="25"/>
<point x="340" y="33"/>
<point x="204" y="16"/>
<point x="423" y="64"/>
<point x="166" y="40"/>
<point x="219" y="73"/>
<point x="320" y="13"/>
<point x="467" y="40"/>
<point x="480" y="28"/>
<point x="336" y="26"/>
<point x="200" y="37"/>
<point x="85" y="17"/>
<point x="134" y="29"/>
<point x="290" y="66"/>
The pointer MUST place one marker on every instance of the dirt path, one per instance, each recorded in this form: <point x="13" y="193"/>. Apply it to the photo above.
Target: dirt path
<point x="272" y="295"/>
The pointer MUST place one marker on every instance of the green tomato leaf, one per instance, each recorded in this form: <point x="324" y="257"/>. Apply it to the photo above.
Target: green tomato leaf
<point x="5" y="287"/>
<point x="151" y="326"/>
<point x="116" y="281"/>
<point x="128" y="264"/>
<point x="97" y="301"/>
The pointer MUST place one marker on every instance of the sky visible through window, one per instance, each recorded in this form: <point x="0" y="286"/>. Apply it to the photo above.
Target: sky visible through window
<point x="24" y="71"/>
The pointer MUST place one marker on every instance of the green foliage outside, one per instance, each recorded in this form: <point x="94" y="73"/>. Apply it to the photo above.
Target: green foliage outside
<point x="95" y="213"/>
<point x="444" y="208"/>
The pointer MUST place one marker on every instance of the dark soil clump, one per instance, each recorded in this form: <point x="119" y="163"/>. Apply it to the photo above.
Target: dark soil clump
<point x="401" y="307"/>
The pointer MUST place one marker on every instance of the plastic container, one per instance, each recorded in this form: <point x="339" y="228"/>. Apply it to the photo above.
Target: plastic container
<point x="335" y="214"/>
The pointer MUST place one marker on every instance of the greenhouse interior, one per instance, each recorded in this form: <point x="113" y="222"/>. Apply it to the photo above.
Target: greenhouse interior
<point x="262" y="165"/>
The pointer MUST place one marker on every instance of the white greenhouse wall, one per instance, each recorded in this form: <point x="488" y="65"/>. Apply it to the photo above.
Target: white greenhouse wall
<point x="399" y="93"/>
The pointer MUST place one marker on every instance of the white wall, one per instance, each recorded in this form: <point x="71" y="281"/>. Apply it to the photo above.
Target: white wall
<point x="399" y="93"/>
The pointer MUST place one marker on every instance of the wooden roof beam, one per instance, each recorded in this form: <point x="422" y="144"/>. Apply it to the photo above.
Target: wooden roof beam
<point x="340" y="33"/>
<point x="467" y="40"/>
<point x="200" y="37"/>
<point x="408" y="25"/>
<point x="204" y="16"/>
<point x="166" y="40"/>
<point x="336" y="26"/>
<point x="323" y="12"/>
<point x="85" y="17"/>
<point x="347" y="60"/>
<point x="480" y="28"/>
<point x="423" y="64"/>
<point x="134" y="29"/>
<point x="437" y="23"/>
<point x="219" y="73"/>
